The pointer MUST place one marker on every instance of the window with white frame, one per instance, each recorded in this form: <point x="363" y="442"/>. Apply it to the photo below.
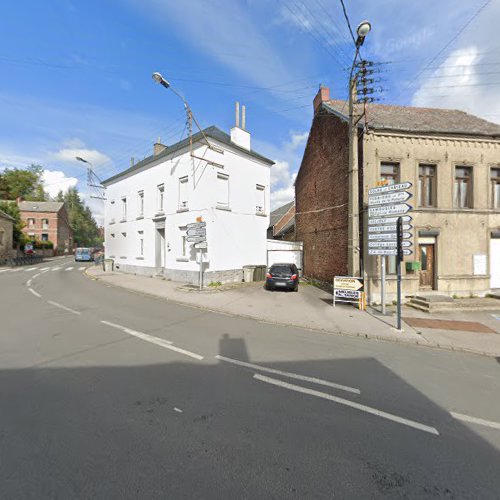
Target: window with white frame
<point x="222" y="190"/>
<point x="260" y="199"/>
<point x="45" y="223"/>
<point x="124" y="208"/>
<point x="160" y="197"/>
<point x="140" y="203"/>
<point x="183" y="243"/>
<point x="183" y="193"/>
<point x="141" y="243"/>
<point x="495" y="188"/>
<point x="31" y="222"/>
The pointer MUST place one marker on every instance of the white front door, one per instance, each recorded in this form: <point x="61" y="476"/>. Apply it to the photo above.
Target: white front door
<point x="495" y="263"/>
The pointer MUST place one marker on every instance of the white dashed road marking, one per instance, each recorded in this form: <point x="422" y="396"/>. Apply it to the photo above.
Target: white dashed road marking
<point x="56" y="268"/>
<point x="68" y="309"/>
<point x="44" y="268"/>
<point x="28" y="283"/>
<point x="178" y="410"/>
<point x="69" y="268"/>
<point x="36" y="294"/>
<point x="304" y="378"/>
<point x="167" y="344"/>
<point x="4" y="270"/>
<point x="30" y="269"/>
<point x="475" y="420"/>
<point x="352" y="404"/>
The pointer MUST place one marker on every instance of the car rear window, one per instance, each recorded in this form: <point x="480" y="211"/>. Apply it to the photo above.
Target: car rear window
<point x="281" y="269"/>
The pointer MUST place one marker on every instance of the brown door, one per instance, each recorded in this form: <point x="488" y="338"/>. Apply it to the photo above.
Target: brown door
<point x="426" y="255"/>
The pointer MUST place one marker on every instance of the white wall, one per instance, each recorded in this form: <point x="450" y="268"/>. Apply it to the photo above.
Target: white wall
<point x="236" y="237"/>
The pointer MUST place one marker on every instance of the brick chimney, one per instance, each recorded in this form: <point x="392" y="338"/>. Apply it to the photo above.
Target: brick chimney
<point x="322" y="96"/>
<point x="158" y="147"/>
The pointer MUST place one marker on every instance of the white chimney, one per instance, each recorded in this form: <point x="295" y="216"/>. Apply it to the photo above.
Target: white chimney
<point x="239" y="135"/>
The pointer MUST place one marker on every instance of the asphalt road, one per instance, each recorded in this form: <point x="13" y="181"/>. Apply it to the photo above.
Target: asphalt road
<point x="109" y="394"/>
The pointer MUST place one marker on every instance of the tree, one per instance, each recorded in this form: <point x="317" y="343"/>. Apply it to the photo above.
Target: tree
<point x="26" y="183"/>
<point x="13" y="210"/>
<point x="83" y="224"/>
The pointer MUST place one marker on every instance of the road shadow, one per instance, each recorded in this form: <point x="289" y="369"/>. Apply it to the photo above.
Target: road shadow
<point x="189" y="429"/>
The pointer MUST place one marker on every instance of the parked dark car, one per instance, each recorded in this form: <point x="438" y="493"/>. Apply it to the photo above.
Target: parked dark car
<point x="283" y="276"/>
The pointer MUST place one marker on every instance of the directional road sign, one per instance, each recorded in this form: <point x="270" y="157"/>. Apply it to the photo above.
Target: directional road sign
<point x="347" y="294"/>
<point x="347" y="283"/>
<point x="399" y="209"/>
<point x="388" y="244"/>
<point x="388" y="251"/>
<point x="384" y="199"/>
<point x="387" y="236"/>
<point x="196" y="239"/>
<point x="201" y="231"/>
<point x="202" y="244"/>
<point x="390" y="228"/>
<point x="193" y="225"/>
<point x="390" y="188"/>
<point x="389" y="220"/>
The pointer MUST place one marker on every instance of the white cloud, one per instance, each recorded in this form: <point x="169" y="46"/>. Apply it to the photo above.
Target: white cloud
<point x="283" y="195"/>
<point x="280" y="173"/>
<point x="56" y="180"/>
<point x="68" y="155"/>
<point x="298" y="139"/>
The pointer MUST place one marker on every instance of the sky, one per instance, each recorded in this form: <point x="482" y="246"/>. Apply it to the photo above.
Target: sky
<point x="75" y="75"/>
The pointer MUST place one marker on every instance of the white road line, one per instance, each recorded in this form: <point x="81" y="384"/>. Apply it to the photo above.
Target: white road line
<point x="4" y="270"/>
<point x="28" y="283"/>
<point x="304" y="378"/>
<point x="178" y="410"/>
<point x="63" y="307"/>
<point x="44" y="268"/>
<point x="352" y="404"/>
<point x="69" y="268"/>
<point x="16" y="270"/>
<point x="30" y="269"/>
<point x="82" y="268"/>
<point x="154" y="340"/>
<point x="56" y="268"/>
<point x="475" y="420"/>
<point x="36" y="294"/>
<point x="35" y="276"/>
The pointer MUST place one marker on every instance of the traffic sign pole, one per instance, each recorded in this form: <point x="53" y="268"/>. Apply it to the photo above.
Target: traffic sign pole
<point x="399" y="258"/>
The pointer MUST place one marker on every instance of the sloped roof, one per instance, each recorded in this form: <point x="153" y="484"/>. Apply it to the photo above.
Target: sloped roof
<point x="6" y="216"/>
<point x="278" y="213"/>
<point x="213" y="132"/>
<point x="40" y="206"/>
<point x="419" y="120"/>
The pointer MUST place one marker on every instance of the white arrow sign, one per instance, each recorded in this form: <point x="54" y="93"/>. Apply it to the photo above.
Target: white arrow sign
<point x="390" y="188"/>
<point x="384" y="199"/>
<point x="388" y="251"/>
<point x="196" y="239"/>
<point x="197" y="231"/>
<point x="196" y="225"/>
<point x="387" y="236"/>
<point x="389" y="220"/>
<point x="202" y="244"/>
<point x="388" y="244"/>
<point x="391" y="228"/>
<point x="401" y="208"/>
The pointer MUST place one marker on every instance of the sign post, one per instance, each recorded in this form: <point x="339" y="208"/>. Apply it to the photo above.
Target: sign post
<point x="197" y="234"/>
<point x="349" y="289"/>
<point x="389" y="231"/>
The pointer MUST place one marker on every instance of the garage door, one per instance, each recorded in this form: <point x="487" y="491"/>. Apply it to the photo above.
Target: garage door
<point x="495" y="262"/>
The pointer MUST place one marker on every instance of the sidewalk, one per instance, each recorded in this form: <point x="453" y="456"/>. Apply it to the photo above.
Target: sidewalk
<point x="310" y="308"/>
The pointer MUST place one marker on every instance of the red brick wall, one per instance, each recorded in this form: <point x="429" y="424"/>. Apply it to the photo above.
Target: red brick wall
<point x="284" y="221"/>
<point x="322" y="183"/>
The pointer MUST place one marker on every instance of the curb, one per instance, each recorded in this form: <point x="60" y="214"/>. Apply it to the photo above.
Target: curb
<point x="410" y="342"/>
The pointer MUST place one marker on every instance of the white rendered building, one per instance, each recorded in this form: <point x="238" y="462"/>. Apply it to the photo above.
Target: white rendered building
<point x="218" y="180"/>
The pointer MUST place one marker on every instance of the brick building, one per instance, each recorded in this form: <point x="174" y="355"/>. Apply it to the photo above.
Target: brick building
<point x="282" y="223"/>
<point x="6" y="233"/>
<point x="47" y="221"/>
<point x="452" y="159"/>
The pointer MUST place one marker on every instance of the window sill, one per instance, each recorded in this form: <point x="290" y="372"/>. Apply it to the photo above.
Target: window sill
<point x="221" y="207"/>
<point x="139" y="217"/>
<point x="160" y="213"/>
<point x="111" y="257"/>
<point x="139" y="258"/>
<point x="122" y="257"/>
<point x="112" y="222"/>
<point x="182" y="259"/>
<point x="261" y="214"/>
<point x="182" y="210"/>
<point x="123" y="220"/>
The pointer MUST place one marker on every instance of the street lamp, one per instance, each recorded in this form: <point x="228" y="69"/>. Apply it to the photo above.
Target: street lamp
<point x="363" y="30"/>
<point x="354" y="247"/>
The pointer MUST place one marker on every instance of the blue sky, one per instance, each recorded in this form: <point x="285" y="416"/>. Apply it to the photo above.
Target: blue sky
<point x="75" y="75"/>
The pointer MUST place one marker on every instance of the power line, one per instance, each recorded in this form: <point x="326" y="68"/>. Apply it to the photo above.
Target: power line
<point x="348" y="22"/>
<point x="457" y="34"/>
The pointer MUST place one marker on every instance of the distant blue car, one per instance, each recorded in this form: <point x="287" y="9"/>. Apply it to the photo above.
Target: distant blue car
<point x="83" y="255"/>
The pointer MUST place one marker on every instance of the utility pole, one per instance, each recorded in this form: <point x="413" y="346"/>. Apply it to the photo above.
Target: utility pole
<point x="353" y="195"/>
